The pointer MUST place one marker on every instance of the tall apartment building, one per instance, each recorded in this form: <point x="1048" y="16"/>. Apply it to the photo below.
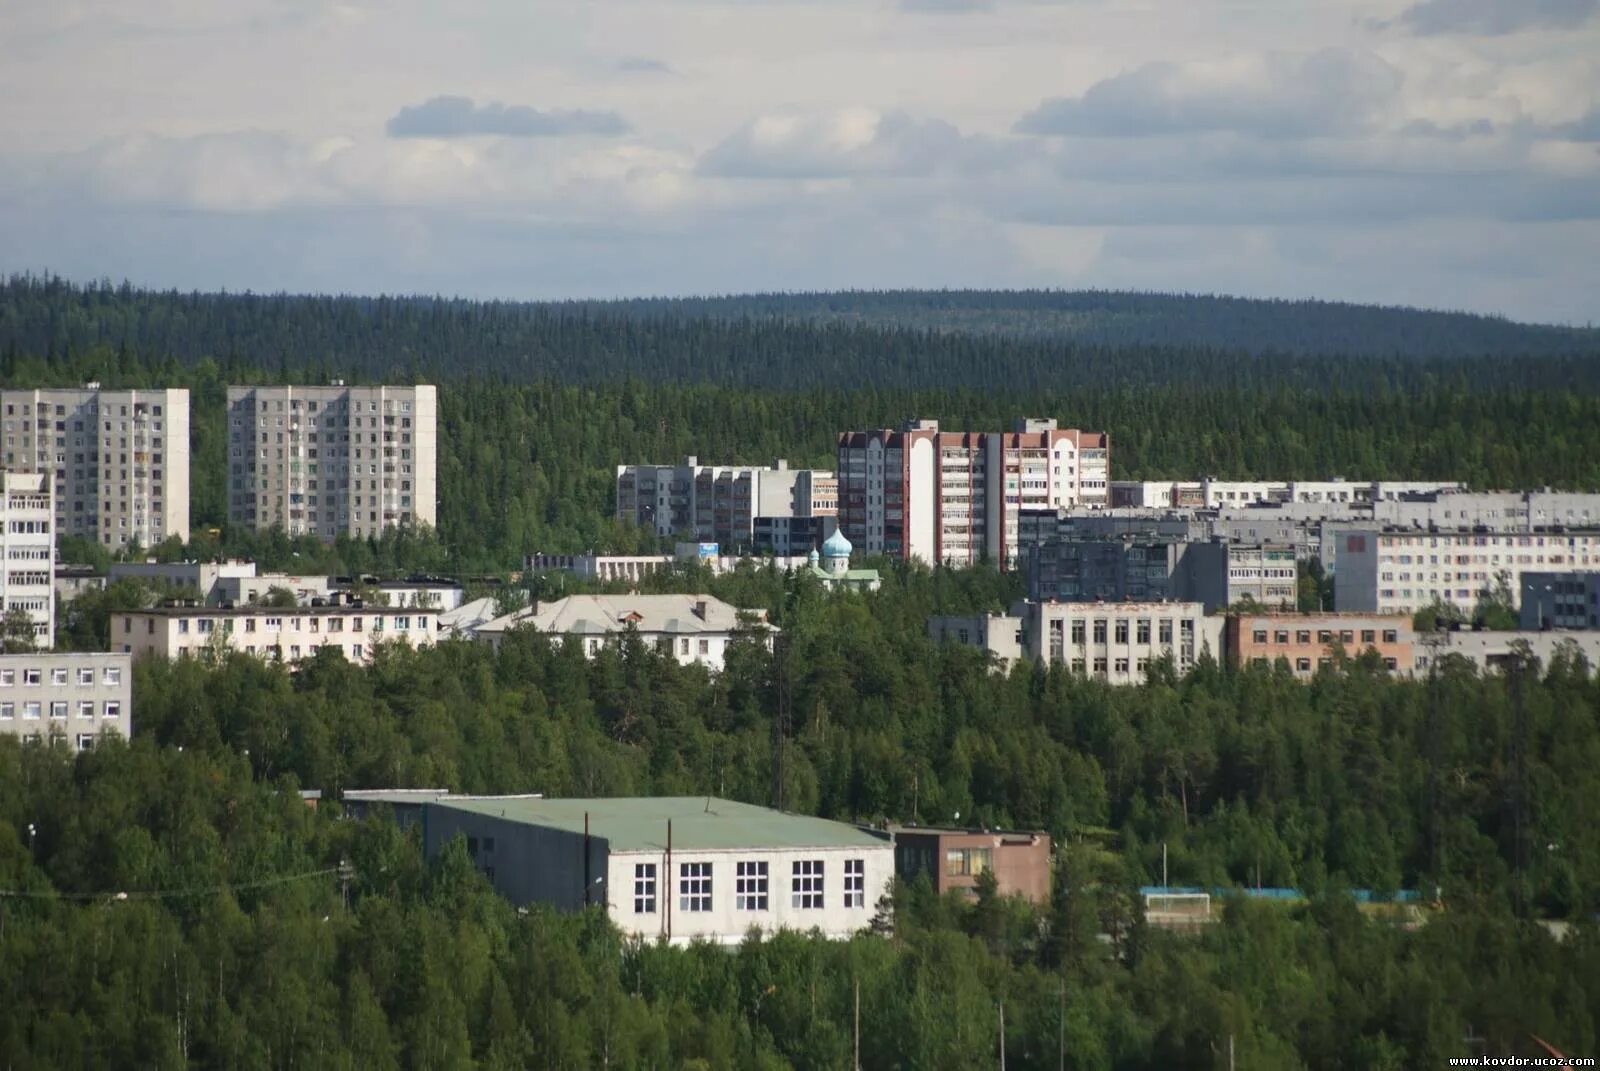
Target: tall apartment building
<point x="118" y="459"/>
<point x="1402" y="570"/>
<point x="27" y="538"/>
<point x="723" y="504"/>
<point x="955" y="498"/>
<point x="332" y="461"/>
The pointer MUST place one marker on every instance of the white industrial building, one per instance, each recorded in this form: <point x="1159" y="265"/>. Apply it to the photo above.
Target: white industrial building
<point x="675" y="869"/>
<point x="693" y="629"/>
<point x="118" y="459"/>
<point x="27" y="535"/>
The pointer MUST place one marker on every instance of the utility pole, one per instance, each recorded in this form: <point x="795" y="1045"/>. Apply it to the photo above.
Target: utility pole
<point x="347" y="873"/>
<point x="1519" y="774"/>
<point x="1002" y="1036"/>
<point x="1434" y="642"/>
<point x="780" y="716"/>
<point x="1061" y="1031"/>
<point x="1230" y="1052"/>
<point x="857" y="1058"/>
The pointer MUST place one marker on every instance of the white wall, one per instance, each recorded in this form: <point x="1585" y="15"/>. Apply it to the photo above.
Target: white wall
<point x="725" y="923"/>
<point x="922" y="485"/>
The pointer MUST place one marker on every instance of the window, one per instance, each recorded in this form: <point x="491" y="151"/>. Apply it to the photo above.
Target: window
<point x="1281" y="636"/>
<point x="750" y="886"/>
<point x="8" y="678"/>
<point x="855" y="883"/>
<point x="86" y="678"/>
<point x="694" y="887"/>
<point x="966" y="862"/>
<point x="1369" y="635"/>
<point x="1391" y="635"/>
<point x="86" y="708"/>
<point x="644" y="888"/>
<point x="705" y="647"/>
<point x="1302" y="665"/>
<point x="805" y="884"/>
<point x="1100" y="630"/>
<point x="113" y="675"/>
<point x="58" y="710"/>
<point x="8" y="711"/>
<point x="59" y="676"/>
<point x="1122" y="632"/>
<point x="1303" y="636"/>
<point x="113" y="708"/>
<point x="31" y="678"/>
<point x="31" y="710"/>
<point x="1260" y="635"/>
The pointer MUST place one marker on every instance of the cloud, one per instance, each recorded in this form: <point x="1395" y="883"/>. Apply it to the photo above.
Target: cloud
<point x="1585" y="129"/>
<point x="836" y="144"/>
<point x="1275" y="95"/>
<point x="1494" y="18"/>
<point x="459" y="117"/>
<point x="946" y="6"/>
<point x="643" y="65"/>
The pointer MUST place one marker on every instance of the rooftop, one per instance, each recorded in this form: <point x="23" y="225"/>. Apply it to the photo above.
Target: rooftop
<point x="603" y="614"/>
<point x="699" y="823"/>
<point x="274" y="611"/>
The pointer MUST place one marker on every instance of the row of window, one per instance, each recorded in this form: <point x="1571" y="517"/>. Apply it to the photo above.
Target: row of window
<point x="1303" y="665"/>
<point x="1120" y="630"/>
<point x="33" y="677"/>
<point x="1324" y="635"/>
<point x="33" y="709"/>
<point x="752" y="886"/>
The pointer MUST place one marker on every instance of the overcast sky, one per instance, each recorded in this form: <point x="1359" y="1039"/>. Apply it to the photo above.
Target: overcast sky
<point x="1442" y="153"/>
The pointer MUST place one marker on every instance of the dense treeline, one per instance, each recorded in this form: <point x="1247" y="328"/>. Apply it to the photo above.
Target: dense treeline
<point x="527" y="467"/>
<point x="768" y="348"/>
<point x="1354" y="779"/>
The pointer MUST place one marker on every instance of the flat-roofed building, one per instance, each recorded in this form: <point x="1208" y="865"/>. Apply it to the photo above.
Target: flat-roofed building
<point x="1491" y="650"/>
<point x="677" y="869"/>
<point x="27" y="552"/>
<point x="1306" y="642"/>
<point x="1000" y="635"/>
<point x="118" y="460"/>
<point x="1402" y="570"/>
<point x="954" y="859"/>
<point x="80" y="696"/>
<point x="1117" y="642"/>
<point x="200" y="580"/>
<point x="350" y="628"/>
<point x="1561" y="600"/>
<point x="333" y="461"/>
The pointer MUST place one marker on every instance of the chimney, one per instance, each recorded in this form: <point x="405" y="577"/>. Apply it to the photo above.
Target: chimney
<point x="700" y="609"/>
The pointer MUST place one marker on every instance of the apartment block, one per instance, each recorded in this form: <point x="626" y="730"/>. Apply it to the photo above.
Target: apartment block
<point x="332" y="461"/>
<point x="118" y="460"/>
<point x="722" y="504"/>
<point x="1400" y="571"/>
<point x="956" y="498"/>
<point x="1211" y="493"/>
<point x="1561" y="600"/>
<point x="27" y="535"/>
<point x="1307" y="642"/>
<point x="79" y="697"/>
<point x="279" y="635"/>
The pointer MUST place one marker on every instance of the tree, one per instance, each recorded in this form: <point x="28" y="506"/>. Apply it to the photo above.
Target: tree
<point x="17" y="631"/>
<point x="279" y="596"/>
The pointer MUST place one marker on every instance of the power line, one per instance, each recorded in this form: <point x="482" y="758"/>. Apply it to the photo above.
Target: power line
<point x="164" y="894"/>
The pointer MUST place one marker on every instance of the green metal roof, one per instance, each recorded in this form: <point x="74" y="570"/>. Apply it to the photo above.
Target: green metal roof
<point x="699" y="823"/>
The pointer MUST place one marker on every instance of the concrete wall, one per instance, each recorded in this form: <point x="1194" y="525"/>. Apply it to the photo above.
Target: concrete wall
<point x="526" y="863"/>
<point x="80" y="696"/>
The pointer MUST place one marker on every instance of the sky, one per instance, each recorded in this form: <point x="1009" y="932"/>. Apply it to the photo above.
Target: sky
<point x="1442" y="153"/>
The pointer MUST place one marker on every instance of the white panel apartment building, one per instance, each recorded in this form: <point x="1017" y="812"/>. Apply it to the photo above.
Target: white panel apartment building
<point x="955" y="498"/>
<point x="1402" y="570"/>
<point x="27" y="536"/>
<point x="280" y="635"/>
<point x="77" y="696"/>
<point x="118" y="459"/>
<point x="720" y="503"/>
<point x="332" y="461"/>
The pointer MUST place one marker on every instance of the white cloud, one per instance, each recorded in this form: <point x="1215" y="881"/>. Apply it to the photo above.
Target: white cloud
<point x="852" y="141"/>
<point x="1274" y="95"/>
<point x="1493" y="18"/>
<point x="459" y="117"/>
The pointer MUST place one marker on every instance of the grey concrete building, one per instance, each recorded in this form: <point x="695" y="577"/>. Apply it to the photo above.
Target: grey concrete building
<point x="1561" y="600"/>
<point x="79" y="697"/>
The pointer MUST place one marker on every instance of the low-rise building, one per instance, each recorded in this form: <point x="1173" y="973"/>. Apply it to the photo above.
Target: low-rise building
<point x="1561" y="600"/>
<point x="953" y="859"/>
<point x="1000" y="635"/>
<point x="1308" y="641"/>
<point x="1489" y="650"/>
<point x="197" y="580"/>
<point x="676" y="869"/>
<point x="79" y="697"/>
<point x="1117" y="642"/>
<point x="348" y="627"/>
<point x="690" y="628"/>
<point x="255" y="588"/>
<point x="74" y="580"/>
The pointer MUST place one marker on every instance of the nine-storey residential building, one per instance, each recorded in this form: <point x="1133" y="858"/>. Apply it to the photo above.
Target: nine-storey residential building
<point x="27" y="544"/>
<point x="332" y="461"/>
<point x="118" y="459"/>
<point x="955" y="498"/>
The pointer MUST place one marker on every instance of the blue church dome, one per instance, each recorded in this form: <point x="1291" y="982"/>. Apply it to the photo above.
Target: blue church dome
<point x="836" y="546"/>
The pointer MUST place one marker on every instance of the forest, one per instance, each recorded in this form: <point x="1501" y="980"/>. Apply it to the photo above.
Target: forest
<point x="260" y="956"/>
<point x="172" y="902"/>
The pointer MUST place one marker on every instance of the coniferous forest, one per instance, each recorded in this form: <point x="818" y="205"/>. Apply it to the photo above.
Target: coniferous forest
<point x="173" y="903"/>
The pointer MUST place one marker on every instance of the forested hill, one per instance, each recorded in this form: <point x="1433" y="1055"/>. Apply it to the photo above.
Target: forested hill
<point x="848" y="341"/>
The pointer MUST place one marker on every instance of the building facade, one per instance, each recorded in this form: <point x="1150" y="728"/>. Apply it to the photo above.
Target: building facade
<point x="200" y="580"/>
<point x="956" y="498"/>
<point x="332" y="461"/>
<point x="1402" y="570"/>
<point x="118" y="460"/>
<point x="692" y="629"/>
<point x="278" y="635"/>
<point x="27" y="536"/>
<point x="721" y="503"/>
<point x="1307" y="642"/>
<point x="1561" y="600"/>
<point x="954" y="859"/>
<point x="1498" y="651"/>
<point x="1117" y="642"/>
<point x="79" y="697"/>
<point x="673" y="869"/>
